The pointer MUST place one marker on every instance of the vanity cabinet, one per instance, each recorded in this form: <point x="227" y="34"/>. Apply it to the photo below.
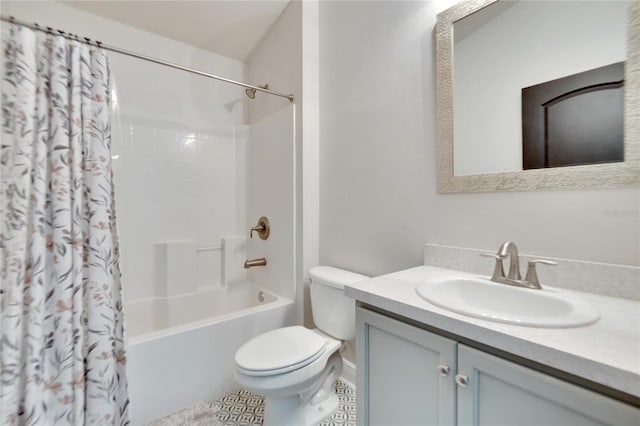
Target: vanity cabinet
<point x="404" y="374"/>
<point x="402" y="379"/>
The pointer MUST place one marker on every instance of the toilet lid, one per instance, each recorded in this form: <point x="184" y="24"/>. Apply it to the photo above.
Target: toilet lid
<point x="280" y="351"/>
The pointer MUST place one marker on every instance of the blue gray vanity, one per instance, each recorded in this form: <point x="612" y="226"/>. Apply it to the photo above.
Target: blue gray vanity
<point x="442" y="367"/>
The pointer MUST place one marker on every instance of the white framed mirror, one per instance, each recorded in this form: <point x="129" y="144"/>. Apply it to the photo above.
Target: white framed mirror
<point x="496" y="56"/>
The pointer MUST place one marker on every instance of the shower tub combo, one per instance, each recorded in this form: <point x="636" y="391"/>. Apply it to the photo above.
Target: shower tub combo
<point x="193" y="359"/>
<point x="189" y="301"/>
<point x="200" y="179"/>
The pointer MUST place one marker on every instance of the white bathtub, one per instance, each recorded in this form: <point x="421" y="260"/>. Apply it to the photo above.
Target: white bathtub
<point x="192" y="360"/>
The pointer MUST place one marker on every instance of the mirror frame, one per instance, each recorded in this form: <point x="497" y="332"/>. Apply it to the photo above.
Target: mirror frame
<point x="610" y="175"/>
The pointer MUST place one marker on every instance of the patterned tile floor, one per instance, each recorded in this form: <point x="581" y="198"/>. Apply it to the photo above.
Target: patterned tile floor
<point x="241" y="407"/>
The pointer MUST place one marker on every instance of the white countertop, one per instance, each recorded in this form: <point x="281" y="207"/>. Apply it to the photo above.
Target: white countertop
<point x="605" y="352"/>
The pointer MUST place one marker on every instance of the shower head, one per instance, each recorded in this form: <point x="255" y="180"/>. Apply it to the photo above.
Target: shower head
<point x="251" y="93"/>
<point x="229" y="105"/>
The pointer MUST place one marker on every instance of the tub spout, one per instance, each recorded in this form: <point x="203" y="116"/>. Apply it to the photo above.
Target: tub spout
<point x="255" y="262"/>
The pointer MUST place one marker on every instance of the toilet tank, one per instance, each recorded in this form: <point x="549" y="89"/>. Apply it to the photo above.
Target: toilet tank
<point x="333" y="312"/>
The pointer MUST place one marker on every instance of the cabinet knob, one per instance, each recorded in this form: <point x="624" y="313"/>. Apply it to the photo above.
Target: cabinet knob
<point x="462" y="380"/>
<point x="444" y="370"/>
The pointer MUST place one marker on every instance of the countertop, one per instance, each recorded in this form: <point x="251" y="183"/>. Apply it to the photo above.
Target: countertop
<point x="606" y="352"/>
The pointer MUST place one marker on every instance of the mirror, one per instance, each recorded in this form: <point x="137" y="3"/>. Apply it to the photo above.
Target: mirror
<point x="509" y="77"/>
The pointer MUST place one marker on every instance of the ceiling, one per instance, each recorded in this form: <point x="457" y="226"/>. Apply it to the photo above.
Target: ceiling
<point x="231" y="28"/>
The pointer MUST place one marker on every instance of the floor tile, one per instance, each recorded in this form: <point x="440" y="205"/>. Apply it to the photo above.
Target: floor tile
<point x="242" y="408"/>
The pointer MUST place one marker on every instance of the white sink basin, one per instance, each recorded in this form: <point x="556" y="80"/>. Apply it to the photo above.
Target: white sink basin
<point x="482" y="298"/>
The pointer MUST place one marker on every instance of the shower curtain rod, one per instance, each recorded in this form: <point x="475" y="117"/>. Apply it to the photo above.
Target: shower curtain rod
<point x="90" y="42"/>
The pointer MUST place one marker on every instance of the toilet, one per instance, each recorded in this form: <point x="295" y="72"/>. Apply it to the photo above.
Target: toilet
<point x="295" y="368"/>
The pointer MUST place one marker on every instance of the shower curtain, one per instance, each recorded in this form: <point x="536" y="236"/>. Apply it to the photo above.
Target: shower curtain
<point x="62" y="347"/>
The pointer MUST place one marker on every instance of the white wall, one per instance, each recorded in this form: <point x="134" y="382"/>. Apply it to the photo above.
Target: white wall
<point x="270" y="180"/>
<point x="310" y="164"/>
<point x="287" y="59"/>
<point x="489" y="73"/>
<point x="378" y="198"/>
<point x="179" y="154"/>
<point x="277" y="60"/>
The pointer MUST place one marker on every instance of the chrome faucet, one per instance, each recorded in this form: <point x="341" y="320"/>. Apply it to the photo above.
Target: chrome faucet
<point x="514" y="278"/>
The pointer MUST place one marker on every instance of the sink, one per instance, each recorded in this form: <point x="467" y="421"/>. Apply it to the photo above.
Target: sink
<point x="481" y="298"/>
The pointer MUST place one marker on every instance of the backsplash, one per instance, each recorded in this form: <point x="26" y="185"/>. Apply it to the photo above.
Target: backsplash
<point x="599" y="278"/>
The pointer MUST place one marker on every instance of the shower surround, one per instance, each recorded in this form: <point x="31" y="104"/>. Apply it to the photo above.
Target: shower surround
<point x="188" y="191"/>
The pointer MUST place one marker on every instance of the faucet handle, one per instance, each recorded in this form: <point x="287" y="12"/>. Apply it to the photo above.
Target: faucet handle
<point x="532" y="276"/>
<point x="543" y="262"/>
<point x="262" y="228"/>
<point x="493" y="255"/>
<point x="498" y="271"/>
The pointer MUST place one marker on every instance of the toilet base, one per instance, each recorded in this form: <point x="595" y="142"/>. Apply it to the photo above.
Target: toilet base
<point x="309" y="408"/>
<point x="290" y="411"/>
<point x="314" y="414"/>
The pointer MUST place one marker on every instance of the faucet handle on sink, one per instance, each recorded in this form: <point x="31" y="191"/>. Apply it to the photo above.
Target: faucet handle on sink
<point x="531" y="280"/>
<point x="498" y="271"/>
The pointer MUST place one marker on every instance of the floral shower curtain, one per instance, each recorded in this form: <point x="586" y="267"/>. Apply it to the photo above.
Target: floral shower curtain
<point x="62" y="347"/>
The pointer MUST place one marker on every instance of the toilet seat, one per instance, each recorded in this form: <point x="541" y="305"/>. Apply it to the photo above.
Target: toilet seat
<point x="280" y="351"/>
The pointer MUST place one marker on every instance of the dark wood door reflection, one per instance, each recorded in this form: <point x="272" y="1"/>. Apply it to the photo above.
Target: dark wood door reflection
<point x="574" y="120"/>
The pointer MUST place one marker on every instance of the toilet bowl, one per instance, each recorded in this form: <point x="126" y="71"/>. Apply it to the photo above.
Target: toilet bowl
<point x="295" y="368"/>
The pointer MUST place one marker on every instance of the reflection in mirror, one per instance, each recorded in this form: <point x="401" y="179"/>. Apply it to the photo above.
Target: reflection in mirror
<point x="491" y="53"/>
<point x="574" y="120"/>
<point x="511" y="45"/>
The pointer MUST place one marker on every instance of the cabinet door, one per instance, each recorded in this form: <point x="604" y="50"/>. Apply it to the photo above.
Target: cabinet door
<point x="500" y="392"/>
<point x="399" y="378"/>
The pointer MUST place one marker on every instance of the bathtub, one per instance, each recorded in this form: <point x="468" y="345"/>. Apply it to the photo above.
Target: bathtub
<point x="181" y="349"/>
